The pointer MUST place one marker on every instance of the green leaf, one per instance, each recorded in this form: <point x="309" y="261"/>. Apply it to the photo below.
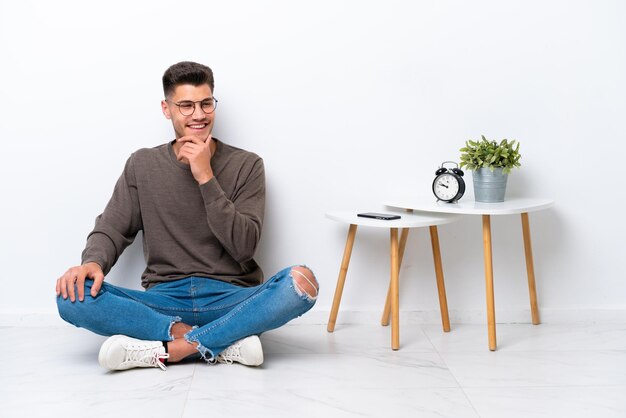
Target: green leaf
<point x="490" y="154"/>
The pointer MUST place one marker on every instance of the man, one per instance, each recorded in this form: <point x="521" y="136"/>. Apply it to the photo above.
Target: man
<point x="200" y="204"/>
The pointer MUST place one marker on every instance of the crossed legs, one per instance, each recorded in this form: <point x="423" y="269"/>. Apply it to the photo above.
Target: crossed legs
<point x="303" y="283"/>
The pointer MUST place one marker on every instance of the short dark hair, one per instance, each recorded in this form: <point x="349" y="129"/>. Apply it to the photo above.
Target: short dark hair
<point x="186" y="72"/>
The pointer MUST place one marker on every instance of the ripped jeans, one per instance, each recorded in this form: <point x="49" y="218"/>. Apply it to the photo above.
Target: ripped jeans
<point x="221" y="313"/>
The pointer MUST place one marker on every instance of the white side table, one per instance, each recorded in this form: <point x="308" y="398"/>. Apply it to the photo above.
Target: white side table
<point x="512" y="206"/>
<point x="407" y="221"/>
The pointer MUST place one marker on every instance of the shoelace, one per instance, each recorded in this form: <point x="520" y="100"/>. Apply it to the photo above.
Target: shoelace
<point x="228" y="355"/>
<point x="149" y="356"/>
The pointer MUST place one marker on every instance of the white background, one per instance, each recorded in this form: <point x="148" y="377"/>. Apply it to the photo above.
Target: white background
<point x="348" y="102"/>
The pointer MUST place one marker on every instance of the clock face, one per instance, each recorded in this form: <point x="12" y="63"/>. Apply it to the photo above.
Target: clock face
<point x="446" y="187"/>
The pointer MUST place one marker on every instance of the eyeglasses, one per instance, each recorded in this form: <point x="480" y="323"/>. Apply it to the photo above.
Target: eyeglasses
<point x="187" y="107"/>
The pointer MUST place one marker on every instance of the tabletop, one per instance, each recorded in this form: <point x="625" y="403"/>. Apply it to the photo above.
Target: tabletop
<point x="407" y="220"/>
<point x="468" y="206"/>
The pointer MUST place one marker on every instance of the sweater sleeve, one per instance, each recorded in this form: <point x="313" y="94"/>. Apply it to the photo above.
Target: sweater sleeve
<point x="237" y="223"/>
<point x="118" y="225"/>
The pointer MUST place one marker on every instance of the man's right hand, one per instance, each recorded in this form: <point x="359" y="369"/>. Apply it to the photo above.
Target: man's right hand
<point x="77" y="275"/>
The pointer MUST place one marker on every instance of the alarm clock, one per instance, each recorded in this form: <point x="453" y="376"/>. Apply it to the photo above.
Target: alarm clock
<point x="448" y="185"/>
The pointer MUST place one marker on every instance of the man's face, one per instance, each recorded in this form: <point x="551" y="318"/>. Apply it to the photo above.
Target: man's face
<point x="198" y="124"/>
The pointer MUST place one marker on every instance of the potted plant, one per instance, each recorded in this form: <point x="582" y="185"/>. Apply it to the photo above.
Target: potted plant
<point x="490" y="163"/>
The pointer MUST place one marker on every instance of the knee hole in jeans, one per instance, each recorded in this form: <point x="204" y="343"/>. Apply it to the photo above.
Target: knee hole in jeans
<point x="305" y="280"/>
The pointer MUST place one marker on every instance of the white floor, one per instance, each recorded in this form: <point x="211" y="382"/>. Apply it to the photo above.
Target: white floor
<point x="537" y="371"/>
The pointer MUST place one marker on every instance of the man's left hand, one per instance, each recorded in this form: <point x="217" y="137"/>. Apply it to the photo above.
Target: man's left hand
<point x="198" y="153"/>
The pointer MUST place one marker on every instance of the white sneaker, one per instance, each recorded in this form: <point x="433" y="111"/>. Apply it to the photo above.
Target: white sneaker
<point x="120" y="352"/>
<point x="247" y="351"/>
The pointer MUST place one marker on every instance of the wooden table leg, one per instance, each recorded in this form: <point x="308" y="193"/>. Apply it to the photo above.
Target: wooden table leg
<point x="441" y="288"/>
<point x="395" y="300"/>
<point x="530" y="269"/>
<point x="343" y="271"/>
<point x="491" y="314"/>
<point x="386" y="312"/>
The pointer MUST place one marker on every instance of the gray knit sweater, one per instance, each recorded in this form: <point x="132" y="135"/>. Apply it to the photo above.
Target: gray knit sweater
<point x="210" y="230"/>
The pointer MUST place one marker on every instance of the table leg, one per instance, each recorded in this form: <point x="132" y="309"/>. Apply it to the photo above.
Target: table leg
<point x="387" y="310"/>
<point x="441" y="288"/>
<point x="395" y="300"/>
<point x="530" y="269"/>
<point x="491" y="314"/>
<point x="343" y="271"/>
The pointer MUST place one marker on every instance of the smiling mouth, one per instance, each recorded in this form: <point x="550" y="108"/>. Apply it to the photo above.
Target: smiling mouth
<point x="198" y="125"/>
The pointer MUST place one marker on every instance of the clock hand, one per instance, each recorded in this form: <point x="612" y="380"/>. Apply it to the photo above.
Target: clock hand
<point x="441" y="184"/>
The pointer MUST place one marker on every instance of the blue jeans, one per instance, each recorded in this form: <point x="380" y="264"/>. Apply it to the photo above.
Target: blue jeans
<point x="221" y="313"/>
